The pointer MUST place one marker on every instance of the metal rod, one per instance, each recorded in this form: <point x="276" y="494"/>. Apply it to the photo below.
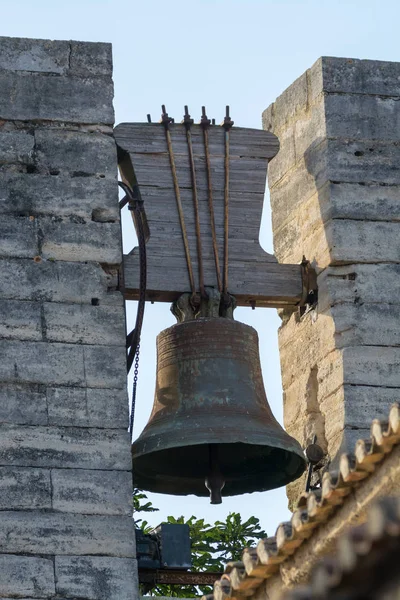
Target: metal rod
<point x="205" y="123"/>
<point x="227" y="126"/>
<point x="188" y="122"/>
<point x="166" y="122"/>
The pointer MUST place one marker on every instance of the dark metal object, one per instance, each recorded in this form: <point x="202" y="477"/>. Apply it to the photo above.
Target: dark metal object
<point x="209" y="390"/>
<point x="135" y="202"/>
<point x="147" y="550"/>
<point x="314" y="454"/>
<point x="205" y="124"/>
<point x="133" y="198"/>
<point x="175" y="548"/>
<point x="167" y="547"/>
<point x="214" y="480"/>
<point x="188" y="122"/>
<point x="154" y="577"/>
<point x="309" y="297"/>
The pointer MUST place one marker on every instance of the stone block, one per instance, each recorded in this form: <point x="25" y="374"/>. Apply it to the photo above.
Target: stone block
<point x="315" y="334"/>
<point x="359" y="283"/>
<point x="18" y="237"/>
<point x="71" y="447"/>
<point x="309" y="130"/>
<point x="292" y="101"/>
<point x="78" y="153"/>
<point x="63" y="364"/>
<point x="295" y="399"/>
<point x="23" y="404"/>
<point x="354" y="76"/>
<point x="59" y="282"/>
<point x="363" y="241"/>
<point x="64" y="98"/>
<point x="307" y="229"/>
<point x="358" y="161"/>
<point x="315" y="82"/>
<point x="362" y="117"/>
<point x="359" y="365"/>
<point x="16" y="147"/>
<point x="336" y="161"/>
<point x="296" y="187"/>
<point x="363" y="202"/>
<point x="20" y="320"/>
<point x="89" y="59"/>
<point x="89" y="492"/>
<point x="34" y="56"/>
<point x="41" y="363"/>
<point x="105" y="366"/>
<point x="84" y="324"/>
<point x="80" y="198"/>
<point x="23" y="576"/>
<point x="88" y="407"/>
<point x="300" y="237"/>
<point x="96" y="578"/>
<point x="96" y="242"/>
<point x="285" y="159"/>
<point x="62" y="534"/>
<point x="375" y="366"/>
<point x="366" y="324"/>
<point x="24" y="489"/>
<point x="356" y="406"/>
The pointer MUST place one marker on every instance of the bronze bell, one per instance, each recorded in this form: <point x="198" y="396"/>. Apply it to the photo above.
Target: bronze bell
<point x="211" y="421"/>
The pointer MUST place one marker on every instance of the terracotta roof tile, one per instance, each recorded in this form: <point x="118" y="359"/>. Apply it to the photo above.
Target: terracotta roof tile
<point x="374" y="539"/>
<point x="313" y="509"/>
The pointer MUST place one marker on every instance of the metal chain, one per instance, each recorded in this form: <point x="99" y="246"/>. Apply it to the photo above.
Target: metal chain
<point x="134" y="388"/>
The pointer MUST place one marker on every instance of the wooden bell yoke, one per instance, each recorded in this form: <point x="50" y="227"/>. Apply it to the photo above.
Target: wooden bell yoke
<point x="203" y="190"/>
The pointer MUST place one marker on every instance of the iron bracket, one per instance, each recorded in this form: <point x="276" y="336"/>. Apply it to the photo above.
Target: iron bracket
<point x="309" y="296"/>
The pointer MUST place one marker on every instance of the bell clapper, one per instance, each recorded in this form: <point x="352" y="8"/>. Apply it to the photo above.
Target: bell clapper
<point x="214" y="480"/>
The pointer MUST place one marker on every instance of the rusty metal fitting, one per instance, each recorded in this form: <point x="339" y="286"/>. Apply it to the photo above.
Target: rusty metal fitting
<point x="165" y="119"/>
<point x="228" y="123"/>
<point x="204" y="121"/>
<point x="187" y="121"/>
<point x="309" y="293"/>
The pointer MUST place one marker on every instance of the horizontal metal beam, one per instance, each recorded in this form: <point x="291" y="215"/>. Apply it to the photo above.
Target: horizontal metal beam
<point x="175" y="577"/>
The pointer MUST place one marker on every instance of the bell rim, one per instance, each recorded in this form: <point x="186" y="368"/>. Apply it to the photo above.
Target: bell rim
<point x="179" y="485"/>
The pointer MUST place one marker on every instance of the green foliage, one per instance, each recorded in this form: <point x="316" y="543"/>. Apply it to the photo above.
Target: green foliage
<point x="212" y="545"/>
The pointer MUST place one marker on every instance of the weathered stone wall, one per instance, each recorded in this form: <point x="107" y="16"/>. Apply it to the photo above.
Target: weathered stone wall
<point x="65" y="468"/>
<point x="335" y="196"/>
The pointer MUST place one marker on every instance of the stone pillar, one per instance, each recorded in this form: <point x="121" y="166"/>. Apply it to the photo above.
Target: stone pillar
<point x="335" y="196"/>
<point x="65" y="466"/>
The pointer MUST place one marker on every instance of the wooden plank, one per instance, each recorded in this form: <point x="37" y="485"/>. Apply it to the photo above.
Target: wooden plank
<point x="150" y="138"/>
<point x="268" y="284"/>
<point x="254" y="274"/>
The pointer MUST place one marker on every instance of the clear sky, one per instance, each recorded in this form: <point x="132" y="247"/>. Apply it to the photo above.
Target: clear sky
<point x="214" y="52"/>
